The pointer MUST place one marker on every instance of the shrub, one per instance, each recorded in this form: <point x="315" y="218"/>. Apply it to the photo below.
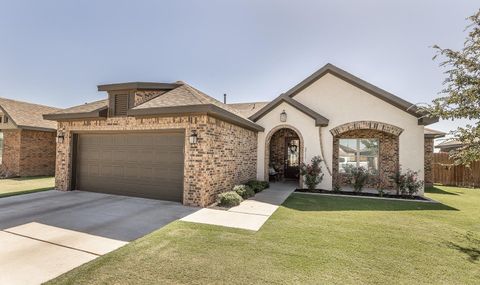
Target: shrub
<point x="258" y="186"/>
<point x="229" y="199"/>
<point x="358" y="177"/>
<point x="337" y="188"/>
<point x="312" y="172"/>
<point x="244" y="191"/>
<point x="380" y="182"/>
<point x="410" y="183"/>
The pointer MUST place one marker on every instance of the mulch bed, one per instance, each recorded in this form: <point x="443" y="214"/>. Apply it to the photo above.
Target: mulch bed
<point x="350" y="193"/>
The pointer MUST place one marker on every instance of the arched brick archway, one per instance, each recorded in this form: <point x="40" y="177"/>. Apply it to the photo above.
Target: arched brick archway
<point x="267" y="147"/>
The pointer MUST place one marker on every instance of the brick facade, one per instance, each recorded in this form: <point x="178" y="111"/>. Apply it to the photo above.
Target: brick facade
<point x="428" y="145"/>
<point x="388" y="154"/>
<point x="225" y="154"/>
<point x="11" y="152"/>
<point x="29" y="153"/>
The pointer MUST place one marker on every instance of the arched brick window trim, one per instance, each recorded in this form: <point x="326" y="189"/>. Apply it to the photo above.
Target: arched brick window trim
<point x="388" y="136"/>
<point x="366" y="125"/>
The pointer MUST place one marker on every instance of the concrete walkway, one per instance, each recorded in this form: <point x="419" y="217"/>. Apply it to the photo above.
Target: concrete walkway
<point x="251" y="214"/>
<point x="34" y="253"/>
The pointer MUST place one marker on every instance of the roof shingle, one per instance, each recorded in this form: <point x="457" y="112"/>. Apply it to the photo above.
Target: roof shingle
<point x="27" y="115"/>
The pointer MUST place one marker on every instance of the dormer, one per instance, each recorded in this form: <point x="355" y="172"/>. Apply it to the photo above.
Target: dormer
<point x="124" y="96"/>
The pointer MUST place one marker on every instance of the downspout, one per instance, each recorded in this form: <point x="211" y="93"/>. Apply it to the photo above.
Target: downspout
<point x="321" y="151"/>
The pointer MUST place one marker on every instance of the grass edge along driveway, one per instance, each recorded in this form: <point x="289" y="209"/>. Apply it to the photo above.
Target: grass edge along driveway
<point x="25" y="185"/>
<point x="310" y="239"/>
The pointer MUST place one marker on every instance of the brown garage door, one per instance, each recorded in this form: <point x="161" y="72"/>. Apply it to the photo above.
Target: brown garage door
<point x="148" y="165"/>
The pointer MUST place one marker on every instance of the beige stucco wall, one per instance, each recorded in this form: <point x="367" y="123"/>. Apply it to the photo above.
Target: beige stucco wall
<point x="341" y="103"/>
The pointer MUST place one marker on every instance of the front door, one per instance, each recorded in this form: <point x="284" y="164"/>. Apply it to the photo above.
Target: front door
<point x="292" y="157"/>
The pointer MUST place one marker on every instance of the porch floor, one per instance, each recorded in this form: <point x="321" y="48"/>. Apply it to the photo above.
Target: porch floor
<point x="251" y="214"/>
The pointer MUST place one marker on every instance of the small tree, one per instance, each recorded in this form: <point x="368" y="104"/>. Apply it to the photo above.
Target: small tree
<point x="312" y="172"/>
<point x="461" y="93"/>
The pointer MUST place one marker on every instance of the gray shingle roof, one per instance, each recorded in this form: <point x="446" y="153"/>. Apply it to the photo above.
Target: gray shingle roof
<point x="183" y="98"/>
<point x="449" y="143"/>
<point x="433" y="133"/>
<point x="186" y="95"/>
<point x="248" y="109"/>
<point x="27" y="115"/>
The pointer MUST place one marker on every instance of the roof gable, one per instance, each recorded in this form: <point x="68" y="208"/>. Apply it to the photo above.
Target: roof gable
<point x="319" y="119"/>
<point x="27" y="115"/>
<point x="390" y="98"/>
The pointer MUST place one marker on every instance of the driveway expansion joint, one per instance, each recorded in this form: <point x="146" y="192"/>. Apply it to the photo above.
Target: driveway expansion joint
<point x="52" y="243"/>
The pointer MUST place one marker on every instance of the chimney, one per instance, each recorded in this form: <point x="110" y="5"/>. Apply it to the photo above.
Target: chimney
<point x="224" y="98"/>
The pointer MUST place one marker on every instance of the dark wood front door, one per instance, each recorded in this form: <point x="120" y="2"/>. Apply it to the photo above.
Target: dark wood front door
<point x="292" y="158"/>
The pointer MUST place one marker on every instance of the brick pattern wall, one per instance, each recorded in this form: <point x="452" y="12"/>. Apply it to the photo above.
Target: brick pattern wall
<point x="225" y="154"/>
<point x="29" y="153"/>
<point x="388" y="155"/>
<point x="428" y="145"/>
<point x="11" y="152"/>
<point x="37" y="153"/>
<point x="277" y="149"/>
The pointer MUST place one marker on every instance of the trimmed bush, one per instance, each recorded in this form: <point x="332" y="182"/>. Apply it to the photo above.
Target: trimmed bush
<point x="244" y="191"/>
<point x="258" y="186"/>
<point x="229" y="199"/>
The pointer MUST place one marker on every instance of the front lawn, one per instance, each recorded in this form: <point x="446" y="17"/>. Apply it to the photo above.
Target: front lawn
<point x="16" y="186"/>
<point x="310" y="240"/>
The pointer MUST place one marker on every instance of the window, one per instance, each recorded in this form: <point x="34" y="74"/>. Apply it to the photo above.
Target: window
<point x="358" y="152"/>
<point x="5" y="119"/>
<point x="1" y="147"/>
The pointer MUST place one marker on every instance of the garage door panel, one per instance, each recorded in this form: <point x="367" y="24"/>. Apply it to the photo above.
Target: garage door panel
<point x="136" y="164"/>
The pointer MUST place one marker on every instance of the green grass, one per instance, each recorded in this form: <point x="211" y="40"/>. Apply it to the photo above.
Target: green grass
<point x="310" y="240"/>
<point x="24" y="185"/>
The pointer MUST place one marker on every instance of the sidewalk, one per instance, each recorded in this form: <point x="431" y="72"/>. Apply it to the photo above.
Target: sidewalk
<point x="251" y="214"/>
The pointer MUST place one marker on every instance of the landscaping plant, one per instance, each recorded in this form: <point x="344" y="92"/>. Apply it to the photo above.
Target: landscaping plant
<point x="410" y="183"/>
<point x="336" y="187"/>
<point x="258" y="186"/>
<point x="229" y="199"/>
<point x="312" y="172"/>
<point x="381" y="183"/>
<point x="244" y="191"/>
<point x="358" y="177"/>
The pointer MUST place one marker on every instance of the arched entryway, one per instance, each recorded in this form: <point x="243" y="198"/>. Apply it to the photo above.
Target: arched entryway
<point x="284" y="151"/>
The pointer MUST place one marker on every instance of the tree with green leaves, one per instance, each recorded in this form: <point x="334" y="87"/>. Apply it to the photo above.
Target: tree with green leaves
<point x="460" y="97"/>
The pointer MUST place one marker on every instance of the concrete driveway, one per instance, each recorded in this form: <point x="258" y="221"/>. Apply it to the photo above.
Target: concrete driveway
<point x="45" y="234"/>
<point x="116" y="217"/>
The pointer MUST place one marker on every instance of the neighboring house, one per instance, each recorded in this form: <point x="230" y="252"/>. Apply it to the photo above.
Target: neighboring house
<point x="171" y="141"/>
<point x="449" y="145"/>
<point x="27" y="141"/>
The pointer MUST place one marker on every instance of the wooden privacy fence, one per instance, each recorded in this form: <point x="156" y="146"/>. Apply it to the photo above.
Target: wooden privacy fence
<point x="445" y="172"/>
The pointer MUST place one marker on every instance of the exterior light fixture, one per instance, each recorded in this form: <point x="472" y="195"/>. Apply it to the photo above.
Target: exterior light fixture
<point x="283" y="116"/>
<point x="60" y="136"/>
<point x="193" y="137"/>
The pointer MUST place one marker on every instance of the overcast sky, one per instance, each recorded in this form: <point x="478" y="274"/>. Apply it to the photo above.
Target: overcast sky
<point x="56" y="52"/>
